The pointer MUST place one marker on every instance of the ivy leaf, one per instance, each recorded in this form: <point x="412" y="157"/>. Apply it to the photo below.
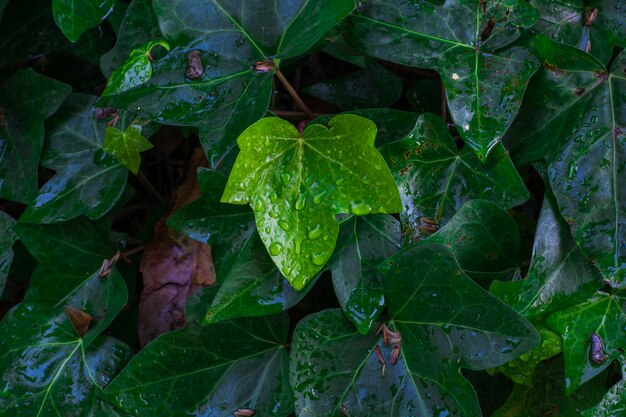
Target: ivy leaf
<point x="435" y="179"/>
<point x="546" y="395"/>
<point x="136" y="70"/>
<point x="573" y="119"/>
<point x="483" y="76"/>
<point x="73" y="17"/>
<point x="212" y="370"/>
<point x="139" y="26"/>
<point x="484" y="240"/>
<point x="7" y="238"/>
<point x="441" y="331"/>
<point x="574" y="23"/>
<point x="559" y="275"/>
<point x="87" y="181"/>
<point x="296" y="184"/>
<point x="366" y="242"/>
<point x="125" y="146"/>
<point x="602" y="314"/>
<point x="248" y="282"/>
<point x="613" y="404"/>
<point x="26" y="100"/>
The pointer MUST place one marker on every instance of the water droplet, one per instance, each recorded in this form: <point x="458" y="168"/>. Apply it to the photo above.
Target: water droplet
<point x="339" y="181"/>
<point x="285" y="177"/>
<point x="318" y="198"/>
<point x="275" y="248"/>
<point x="318" y="259"/>
<point x="359" y="208"/>
<point x="298" y="246"/>
<point x="300" y="202"/>
<point x="316" y="232"/>
<point x="283" y="225"/>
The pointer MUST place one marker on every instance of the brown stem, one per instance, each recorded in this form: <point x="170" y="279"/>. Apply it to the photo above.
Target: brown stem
<point x="288" y="114"/>
<point x="149" y="187"/>
<point x="133" y="251"/>
<point x="294" y="95"/>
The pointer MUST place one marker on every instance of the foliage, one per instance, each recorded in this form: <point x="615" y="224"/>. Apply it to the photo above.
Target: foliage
<point x="398" y="202"/>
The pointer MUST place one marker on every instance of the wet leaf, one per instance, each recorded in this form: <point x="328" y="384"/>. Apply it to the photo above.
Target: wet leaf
<point x="126" y="145"/>
<point x="365" y="241"/>
<point x="212" y="370"/>
<point x="296" y="184"/>
<point x="334" y="367"/>
<point x="484" y="77"/>
<point x="574" y="119"/>
<point x="26" y="100"/>
<point x="613" y="404"/>
<point x="7" y="238"/>
<point x="559" y="275"/>
<point x="249" y="283"/>
<point x="546" y="395"/>
<point x="435" y="179"/>
<point x="602" y="314"/>
<point x="73" y="17"/>
<point x="371" y="87"/>
<point x="87" y="181"/>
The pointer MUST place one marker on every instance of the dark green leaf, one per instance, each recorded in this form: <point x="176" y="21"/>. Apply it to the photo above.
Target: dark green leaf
<point x="126" y="146"/>
<point x="213" y="370"/>
<point x="484" y="79"/>
<point x="484" y="240"/>
<point x="425" y="96"/>
<point x="371" y="87"/>
<point x="3" y="4"/>
<point x="614" y="402"/>
<point x="7" y="238"/>
<point x="559" y="275"/>
<point x="87" y="180"/>
<point x="575" y="119"/>
<point x="73" y="17"/>
<point x="296" y="184"/>
<point x="435" y="179"/>
<point x="602" y="315"/>
<point x="365" y="242"/>
<point x="546" y="396"/>
<point x="26" y="100"/>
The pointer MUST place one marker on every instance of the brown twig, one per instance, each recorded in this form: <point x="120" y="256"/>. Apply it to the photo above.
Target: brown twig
<point x="149" y="187"/>
<point x="294" y="95"/>
<point x="133" y="251"/>
<point x="288" y="114"/>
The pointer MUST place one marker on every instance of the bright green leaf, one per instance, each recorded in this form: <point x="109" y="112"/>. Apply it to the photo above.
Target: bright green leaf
<point x="125" y="146"/>
<point x="296" y="184"/>
<point x="212" y="370"/>
<point x="136" y="70"/>
<point x="7" y="238"/>
<point x="26" y="100"/>
<point x="466" y="41"/>
<point x="73" y="17"/>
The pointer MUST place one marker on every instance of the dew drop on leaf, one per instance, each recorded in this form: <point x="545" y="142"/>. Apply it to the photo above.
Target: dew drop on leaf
<point x="275" y="248"/>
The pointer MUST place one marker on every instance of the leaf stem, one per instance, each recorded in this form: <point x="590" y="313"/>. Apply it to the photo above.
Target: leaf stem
<point x="294" y="95"/>
<point x="288" y="114"/>
<point x="149" y="187"/>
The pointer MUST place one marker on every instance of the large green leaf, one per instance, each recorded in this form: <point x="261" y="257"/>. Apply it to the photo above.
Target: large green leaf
<point x="229" y="38"/>
<point x="565" y="21"/>
<point x="484" y="240"/>
<point x="435" y="179"/>
<point x="73" y="17"/>
<point x="47" y="367"/>
<point x="296" y="184"/>
<point x="445" y="322"/>
<point x="248" y="282"/>
<point x="559" y="275"/>
<point x="126" y="145"/>
<point x="575" y="119"/>
<point x="466" y="41"/>
<point x="26" y="100"/>
<point x="365" y="242"/>
<point x="614" y="402"/>
<point x="603" y="315"/>
<point x="7" y="238"/>
<point x="212" y="370"/>
<point x="87" y="180"/>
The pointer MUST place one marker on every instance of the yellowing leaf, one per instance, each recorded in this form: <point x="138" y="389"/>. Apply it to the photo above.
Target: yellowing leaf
<point x="125" y="146"/>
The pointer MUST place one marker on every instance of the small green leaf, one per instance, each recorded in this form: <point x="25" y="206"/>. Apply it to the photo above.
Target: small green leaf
<point x="212" y="370"/>
<point x="136" y="70"/>
<point x="296" y="184"/>
<point x="125" y="146"/>
<point x="602" y="314"/>
<point x="7" y="238"/>
<point x="73" y="17"/>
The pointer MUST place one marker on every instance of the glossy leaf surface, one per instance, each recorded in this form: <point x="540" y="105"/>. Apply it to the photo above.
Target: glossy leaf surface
<point x="213" y="370"/>
<point x="297" y="183"/>
<point x="435" y="179"/>
<point x="603" y="315"/>
<point x="73" y="17"/>
<point x="87" y="180"/>
<point x="249" y="283"/>
<point x="575" y="120"/>
<point x="7" y="238"/>
<point x="484" y="79"/>
<point x="26" y="100"/>
<point x="126" y="145"/>
<point x="365" y="242"/>
<point x="613" y="404"/>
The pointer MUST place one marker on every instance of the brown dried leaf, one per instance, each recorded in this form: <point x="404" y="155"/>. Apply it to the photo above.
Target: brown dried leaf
<point x="79" y="319"/>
